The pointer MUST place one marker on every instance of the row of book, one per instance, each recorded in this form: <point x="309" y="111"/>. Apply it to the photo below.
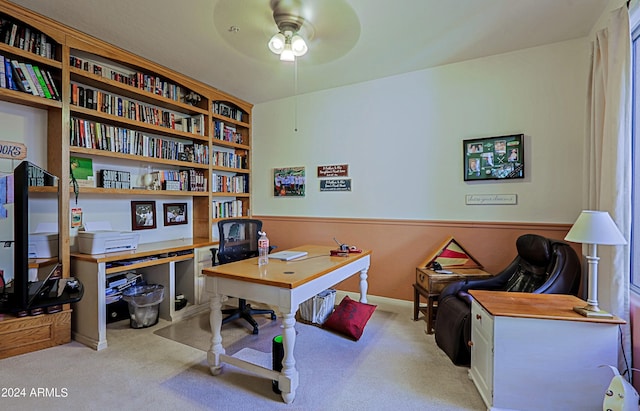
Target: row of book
<point x="28" y="78"/>
<point x="122" y="107"/>
<point x="231" y="160"/>
<point x="17" y="34"/>
<point x="229" y="184"/>
<point x="227" y="209"/>
<point x="183" y="180"/>
<point x="100" y="136"/>
<point x="227" y="132"/>
<point x="146" y="82"/>
<point x="227" y="110"/>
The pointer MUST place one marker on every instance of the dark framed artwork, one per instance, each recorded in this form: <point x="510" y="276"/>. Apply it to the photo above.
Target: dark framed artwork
<point x="493" y="158"/>
<point x="143" y="215"/>
<point x="175" y="213"/>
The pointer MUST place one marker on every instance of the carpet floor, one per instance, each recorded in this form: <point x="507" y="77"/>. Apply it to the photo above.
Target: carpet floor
<point x="394" y="366"/>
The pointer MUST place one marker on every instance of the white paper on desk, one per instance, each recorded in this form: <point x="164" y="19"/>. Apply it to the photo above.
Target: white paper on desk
<point x="97" y="226"/>
<point x="46" y="228"/>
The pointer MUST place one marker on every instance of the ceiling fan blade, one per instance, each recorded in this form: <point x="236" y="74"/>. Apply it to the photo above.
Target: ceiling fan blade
<point x="330" y="28"/>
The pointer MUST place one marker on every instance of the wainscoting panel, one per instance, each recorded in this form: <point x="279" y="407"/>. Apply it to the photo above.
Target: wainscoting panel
<point x="400" y="245"/>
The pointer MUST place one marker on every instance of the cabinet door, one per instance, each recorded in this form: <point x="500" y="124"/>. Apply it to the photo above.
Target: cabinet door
<point x="482" y="351"/>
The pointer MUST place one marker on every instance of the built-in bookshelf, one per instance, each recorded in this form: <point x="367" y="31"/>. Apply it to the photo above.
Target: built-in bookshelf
<point x="126" y="113"/>
<point x="231" y="171"/>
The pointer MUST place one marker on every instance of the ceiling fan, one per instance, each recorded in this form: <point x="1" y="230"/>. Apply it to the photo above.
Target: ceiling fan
<point x="316" y="31"/>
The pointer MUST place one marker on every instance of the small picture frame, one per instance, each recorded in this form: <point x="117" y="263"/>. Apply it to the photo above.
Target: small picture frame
<point x="143" y="215"/>
<point x="175" y="213"/>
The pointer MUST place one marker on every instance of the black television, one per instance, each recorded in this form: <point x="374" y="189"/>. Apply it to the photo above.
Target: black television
<point x="493" y="158"/>
<point x="36" y="201"/>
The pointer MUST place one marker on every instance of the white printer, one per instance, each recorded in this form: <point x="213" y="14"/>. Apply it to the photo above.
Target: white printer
<point x="99" y="238"/>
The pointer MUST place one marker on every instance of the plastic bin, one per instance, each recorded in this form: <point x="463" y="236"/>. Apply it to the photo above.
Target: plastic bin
<point x="317" y="309"/>
<point x="144" y="303"/>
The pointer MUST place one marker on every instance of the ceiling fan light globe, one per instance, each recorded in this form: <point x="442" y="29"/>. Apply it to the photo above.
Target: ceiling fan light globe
<point x="276" y="44"/>
<point x="298" y="46"/>
<point x="287" y="54"/>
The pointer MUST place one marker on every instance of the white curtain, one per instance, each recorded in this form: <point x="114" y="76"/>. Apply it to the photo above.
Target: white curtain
<point x="608" y="160"/>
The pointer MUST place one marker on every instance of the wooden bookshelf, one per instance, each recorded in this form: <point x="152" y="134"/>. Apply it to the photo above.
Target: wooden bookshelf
<point x="68" y="43"/>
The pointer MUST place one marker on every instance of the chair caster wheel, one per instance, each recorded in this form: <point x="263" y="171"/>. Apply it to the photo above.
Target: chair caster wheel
<point x="255" y="331"/>
<point x="273" y="317"/>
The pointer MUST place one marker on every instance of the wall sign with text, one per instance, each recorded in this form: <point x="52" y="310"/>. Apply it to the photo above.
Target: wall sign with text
<point x="338" y="184"/>
<point x="13" y="150"/>
<point x="335" y="170"/>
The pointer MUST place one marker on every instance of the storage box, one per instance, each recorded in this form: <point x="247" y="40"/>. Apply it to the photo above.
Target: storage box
<point x="43" y="245"/>
<point x="100" y="242"/>
<point x="318" y="308"/>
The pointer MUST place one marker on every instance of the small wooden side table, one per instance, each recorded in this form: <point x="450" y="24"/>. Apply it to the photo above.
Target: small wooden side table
<point x="429" y="284"/>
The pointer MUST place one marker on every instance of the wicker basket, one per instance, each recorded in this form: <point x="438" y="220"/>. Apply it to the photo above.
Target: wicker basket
<point x="318" y="308"/>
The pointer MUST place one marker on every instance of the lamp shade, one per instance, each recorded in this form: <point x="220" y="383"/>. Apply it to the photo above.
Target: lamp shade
<point x="595" y="227"/>
<point x="276" y="44"/>
<point x="298" y="45"/>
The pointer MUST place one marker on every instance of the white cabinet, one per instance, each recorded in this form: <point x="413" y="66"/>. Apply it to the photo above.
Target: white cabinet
<point x="533" y="352"/>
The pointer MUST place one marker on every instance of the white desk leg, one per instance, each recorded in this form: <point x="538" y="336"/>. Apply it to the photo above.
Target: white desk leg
<point x="215" y="320"/>
<point x="364" y="286"/>
<point x="289" y="372"/>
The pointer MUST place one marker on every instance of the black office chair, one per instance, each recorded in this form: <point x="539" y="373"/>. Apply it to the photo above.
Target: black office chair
<point x="239" y="241"/>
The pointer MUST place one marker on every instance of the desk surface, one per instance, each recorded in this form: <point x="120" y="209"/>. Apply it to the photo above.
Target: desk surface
<point x="529" y="305"/>
<point x="146" y="249"/>
<point x="286" y="274"/>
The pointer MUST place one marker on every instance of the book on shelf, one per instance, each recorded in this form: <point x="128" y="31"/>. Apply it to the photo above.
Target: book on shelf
<point x="43" y="83"/>
<point x="36" y="81"/>
<point x="3" y="77"/>
<point x="48" y="84"/>
<point x="19" y="77"/>
<point x="53" y="84"/>
<point x="82" y="170"/>
<point x="8" y="72"/>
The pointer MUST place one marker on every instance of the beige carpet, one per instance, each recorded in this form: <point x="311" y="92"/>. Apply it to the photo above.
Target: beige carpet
<point x="395" y="365"/>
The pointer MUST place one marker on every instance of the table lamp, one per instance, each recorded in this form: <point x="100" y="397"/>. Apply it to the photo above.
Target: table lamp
<point x="594" y="228"/>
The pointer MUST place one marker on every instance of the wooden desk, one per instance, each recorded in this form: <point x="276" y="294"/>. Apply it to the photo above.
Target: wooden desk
<point x="284" y="284"/>
<point x="429" y="284"/>
<point x="533" y="352"/>
<point x="172" y="265"/>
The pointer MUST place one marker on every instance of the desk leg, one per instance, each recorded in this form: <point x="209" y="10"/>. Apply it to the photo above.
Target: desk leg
<point x="215" y="320"/>
<point x="364" y="286"/>
<point x="289" y="373"/>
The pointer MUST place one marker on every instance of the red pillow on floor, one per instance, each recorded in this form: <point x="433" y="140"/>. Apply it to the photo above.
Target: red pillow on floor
<point x="350" y="317"/>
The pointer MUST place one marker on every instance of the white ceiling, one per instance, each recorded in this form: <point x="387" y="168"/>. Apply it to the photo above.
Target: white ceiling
<point x="369" y="39"/>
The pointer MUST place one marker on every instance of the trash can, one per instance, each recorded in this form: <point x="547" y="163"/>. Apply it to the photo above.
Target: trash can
<point x="277" y="355"/>
<point x="144" y="302"/>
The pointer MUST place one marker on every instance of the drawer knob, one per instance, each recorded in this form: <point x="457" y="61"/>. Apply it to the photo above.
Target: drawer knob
<point x="478" y="317"/>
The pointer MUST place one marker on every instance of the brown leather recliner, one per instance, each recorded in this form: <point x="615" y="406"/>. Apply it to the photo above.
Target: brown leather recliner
<point x="542" y="266"/>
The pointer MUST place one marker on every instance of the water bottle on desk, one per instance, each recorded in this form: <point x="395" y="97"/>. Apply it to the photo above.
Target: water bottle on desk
<point x="263" y="249"/>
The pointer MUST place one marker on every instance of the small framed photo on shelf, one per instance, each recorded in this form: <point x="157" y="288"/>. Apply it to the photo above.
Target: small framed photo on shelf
<point x="493" y="158"/>
<point x="143" y="215"/>
<point x="175" y="213"/>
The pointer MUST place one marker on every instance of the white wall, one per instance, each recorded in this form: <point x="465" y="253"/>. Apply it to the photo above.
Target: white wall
<point x="28" y="126"/>
<point x="402" y="139"/>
